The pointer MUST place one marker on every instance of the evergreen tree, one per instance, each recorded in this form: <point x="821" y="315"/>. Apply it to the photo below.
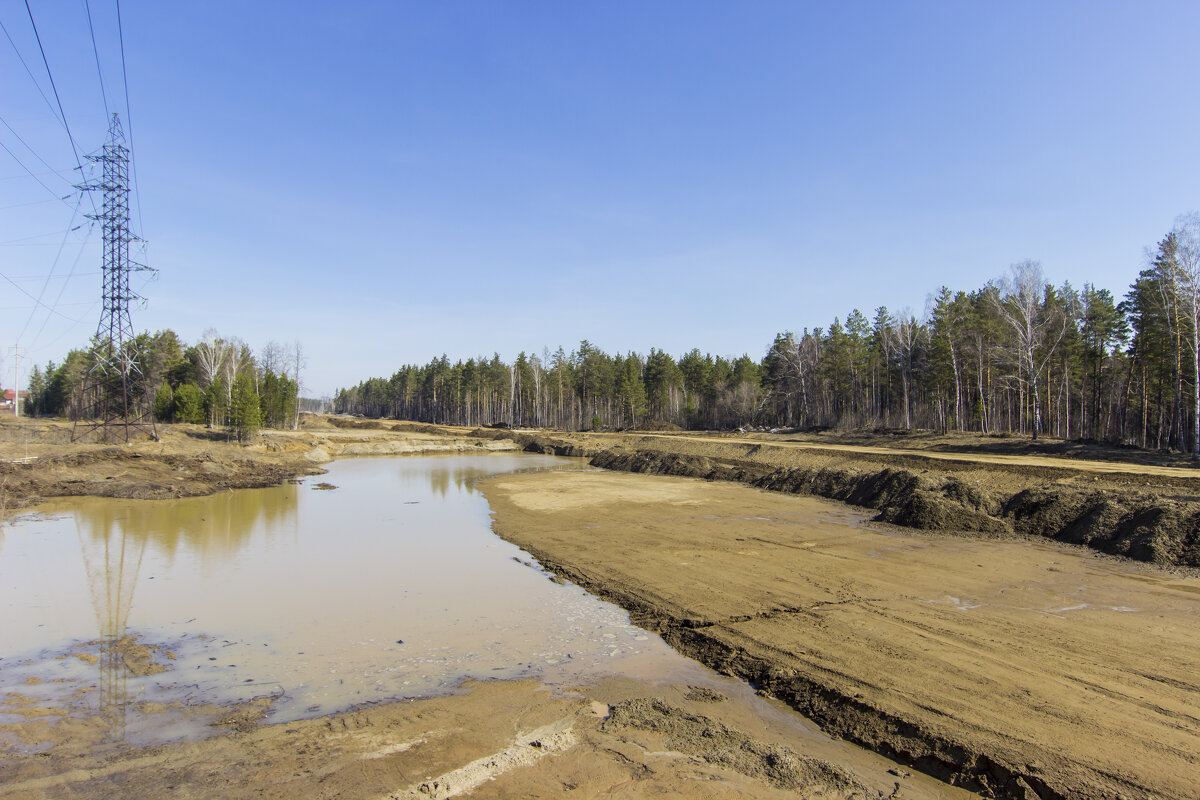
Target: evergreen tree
<point x="245" y="416"/>
<point x="633" y="392"/>
<point x="164" y="403"/>
<point x="189" y="404"/>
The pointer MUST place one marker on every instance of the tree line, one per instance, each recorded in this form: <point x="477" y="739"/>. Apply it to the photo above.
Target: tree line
<point x="1017" y="355"/>
<point x="217" y="381"/>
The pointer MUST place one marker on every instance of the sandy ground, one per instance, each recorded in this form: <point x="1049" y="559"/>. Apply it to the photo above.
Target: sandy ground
<point x="1017" y="669"/>
<point x="1141" y="505"/>
<point x="502" y="739"/>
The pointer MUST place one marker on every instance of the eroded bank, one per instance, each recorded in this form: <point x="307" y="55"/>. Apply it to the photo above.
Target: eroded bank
<point x="1016" y="669"/>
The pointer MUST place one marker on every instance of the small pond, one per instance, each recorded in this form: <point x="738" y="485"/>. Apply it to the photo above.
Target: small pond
<point x="389" y="585"/>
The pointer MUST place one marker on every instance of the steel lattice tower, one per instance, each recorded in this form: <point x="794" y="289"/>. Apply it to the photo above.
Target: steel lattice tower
<point x="115" y="401"/>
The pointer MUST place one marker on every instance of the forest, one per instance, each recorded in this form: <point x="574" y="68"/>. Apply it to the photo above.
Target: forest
<point x="1018" y="355"/>
<point x="217" y="381"/>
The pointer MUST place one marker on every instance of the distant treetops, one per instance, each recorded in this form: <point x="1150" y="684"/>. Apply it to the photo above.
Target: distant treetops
<point x="217" y="381"/>
<point x="1018" y="355"/>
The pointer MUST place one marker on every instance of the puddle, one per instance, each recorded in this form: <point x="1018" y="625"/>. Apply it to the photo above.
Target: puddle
<point x="389" y="585"/>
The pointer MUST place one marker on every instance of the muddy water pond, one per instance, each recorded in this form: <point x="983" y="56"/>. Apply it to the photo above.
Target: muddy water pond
<point x="379" y="580"/>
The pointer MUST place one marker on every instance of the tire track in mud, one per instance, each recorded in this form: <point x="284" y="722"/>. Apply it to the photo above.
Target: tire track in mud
<point x="838" y="713"/>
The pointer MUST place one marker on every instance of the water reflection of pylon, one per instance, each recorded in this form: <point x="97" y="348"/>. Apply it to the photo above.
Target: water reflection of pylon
<point x="112" y="559"/>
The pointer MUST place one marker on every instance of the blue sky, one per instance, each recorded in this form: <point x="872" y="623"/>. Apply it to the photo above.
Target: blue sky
<point x="388" y="181"/>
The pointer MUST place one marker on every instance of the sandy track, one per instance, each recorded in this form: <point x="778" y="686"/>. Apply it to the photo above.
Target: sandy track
<point x="983" y="458"/>
<point x="1018" y="669"/>
<point x="1146" y="507"/>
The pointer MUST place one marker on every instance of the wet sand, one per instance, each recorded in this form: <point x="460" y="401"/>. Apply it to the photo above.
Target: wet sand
<point x="497" y="739"/>
<point x="1019" y="669"/>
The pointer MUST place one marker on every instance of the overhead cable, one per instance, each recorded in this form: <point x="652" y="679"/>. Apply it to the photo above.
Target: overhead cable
<point x="21" y="164"/>
<point x="53" y="266"/>
<point x="96" y="51"/>
<point x="63" y="114"/>
<point x="137" y="195"/>
<point x="29" y="72"/>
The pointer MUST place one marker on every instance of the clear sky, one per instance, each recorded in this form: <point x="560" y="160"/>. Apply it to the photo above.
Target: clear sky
<point x="390" y="181"/>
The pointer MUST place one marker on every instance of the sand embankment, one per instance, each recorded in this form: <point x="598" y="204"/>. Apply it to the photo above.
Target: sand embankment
<point x="1128" y="503"/>
<point x="1018" y="669"/>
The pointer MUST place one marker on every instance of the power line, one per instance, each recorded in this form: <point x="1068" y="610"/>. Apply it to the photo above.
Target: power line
<point x="74" y="324"/>
<point x="50" y="75"/>
<point x="28" y="147"/>
<point x="41" y="276"/>
<point x="39" y="302"/>
<point x="53" y="266"/>
<point x="60" y="305"/>
<point x="29" y="72"/>
<point x="40" y="235"/>
<point x="137" y="194"/>
<point x="34" y="202"/>
<point x="96" y="52"/>
<point x="35" y="175"/>
<point x="21" y="163"/>
<point x="37" y="336"/>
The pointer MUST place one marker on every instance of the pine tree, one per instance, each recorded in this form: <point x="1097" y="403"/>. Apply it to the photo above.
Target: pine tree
<point x="245" y="414"/>
<point x="189" y="404"/>
<point x="164" y="403"/>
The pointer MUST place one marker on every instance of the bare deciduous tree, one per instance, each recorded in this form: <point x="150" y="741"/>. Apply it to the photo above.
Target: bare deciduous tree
<point x="271" y="358"/>
<point x="1038" y="328"/>
<point x="211" y="352"/>
<point x="299" y="362"/>
<point x="1187" y="254"/>
<point x="905" y="334"/>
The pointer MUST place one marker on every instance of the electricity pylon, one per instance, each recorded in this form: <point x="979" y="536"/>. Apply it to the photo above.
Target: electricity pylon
<point x="114" y="401"/>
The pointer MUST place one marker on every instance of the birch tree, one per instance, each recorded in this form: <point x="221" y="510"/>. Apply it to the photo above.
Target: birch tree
<point x="211" y="354"/>
<point x="298" y="363"/>
<point x="1187" y="254"/>
<point x="1036" y="326"/>
<point x="905" y="333"/>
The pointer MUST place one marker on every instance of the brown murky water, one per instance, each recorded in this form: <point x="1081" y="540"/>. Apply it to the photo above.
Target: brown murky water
<point x="389" y="585"/>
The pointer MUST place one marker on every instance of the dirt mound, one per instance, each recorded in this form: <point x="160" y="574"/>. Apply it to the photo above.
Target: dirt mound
<point x="653" y="462"/>
<point x="417" y="427"/>
<point x="359" y="424"/>
<point x="656" y="425"/>
<point x="1130" y="522"/>
<point x="715" y="743"/>
<point x="539" y="443"/>
<point x="1161" y="531"/>
<point x="899" y="495"/>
